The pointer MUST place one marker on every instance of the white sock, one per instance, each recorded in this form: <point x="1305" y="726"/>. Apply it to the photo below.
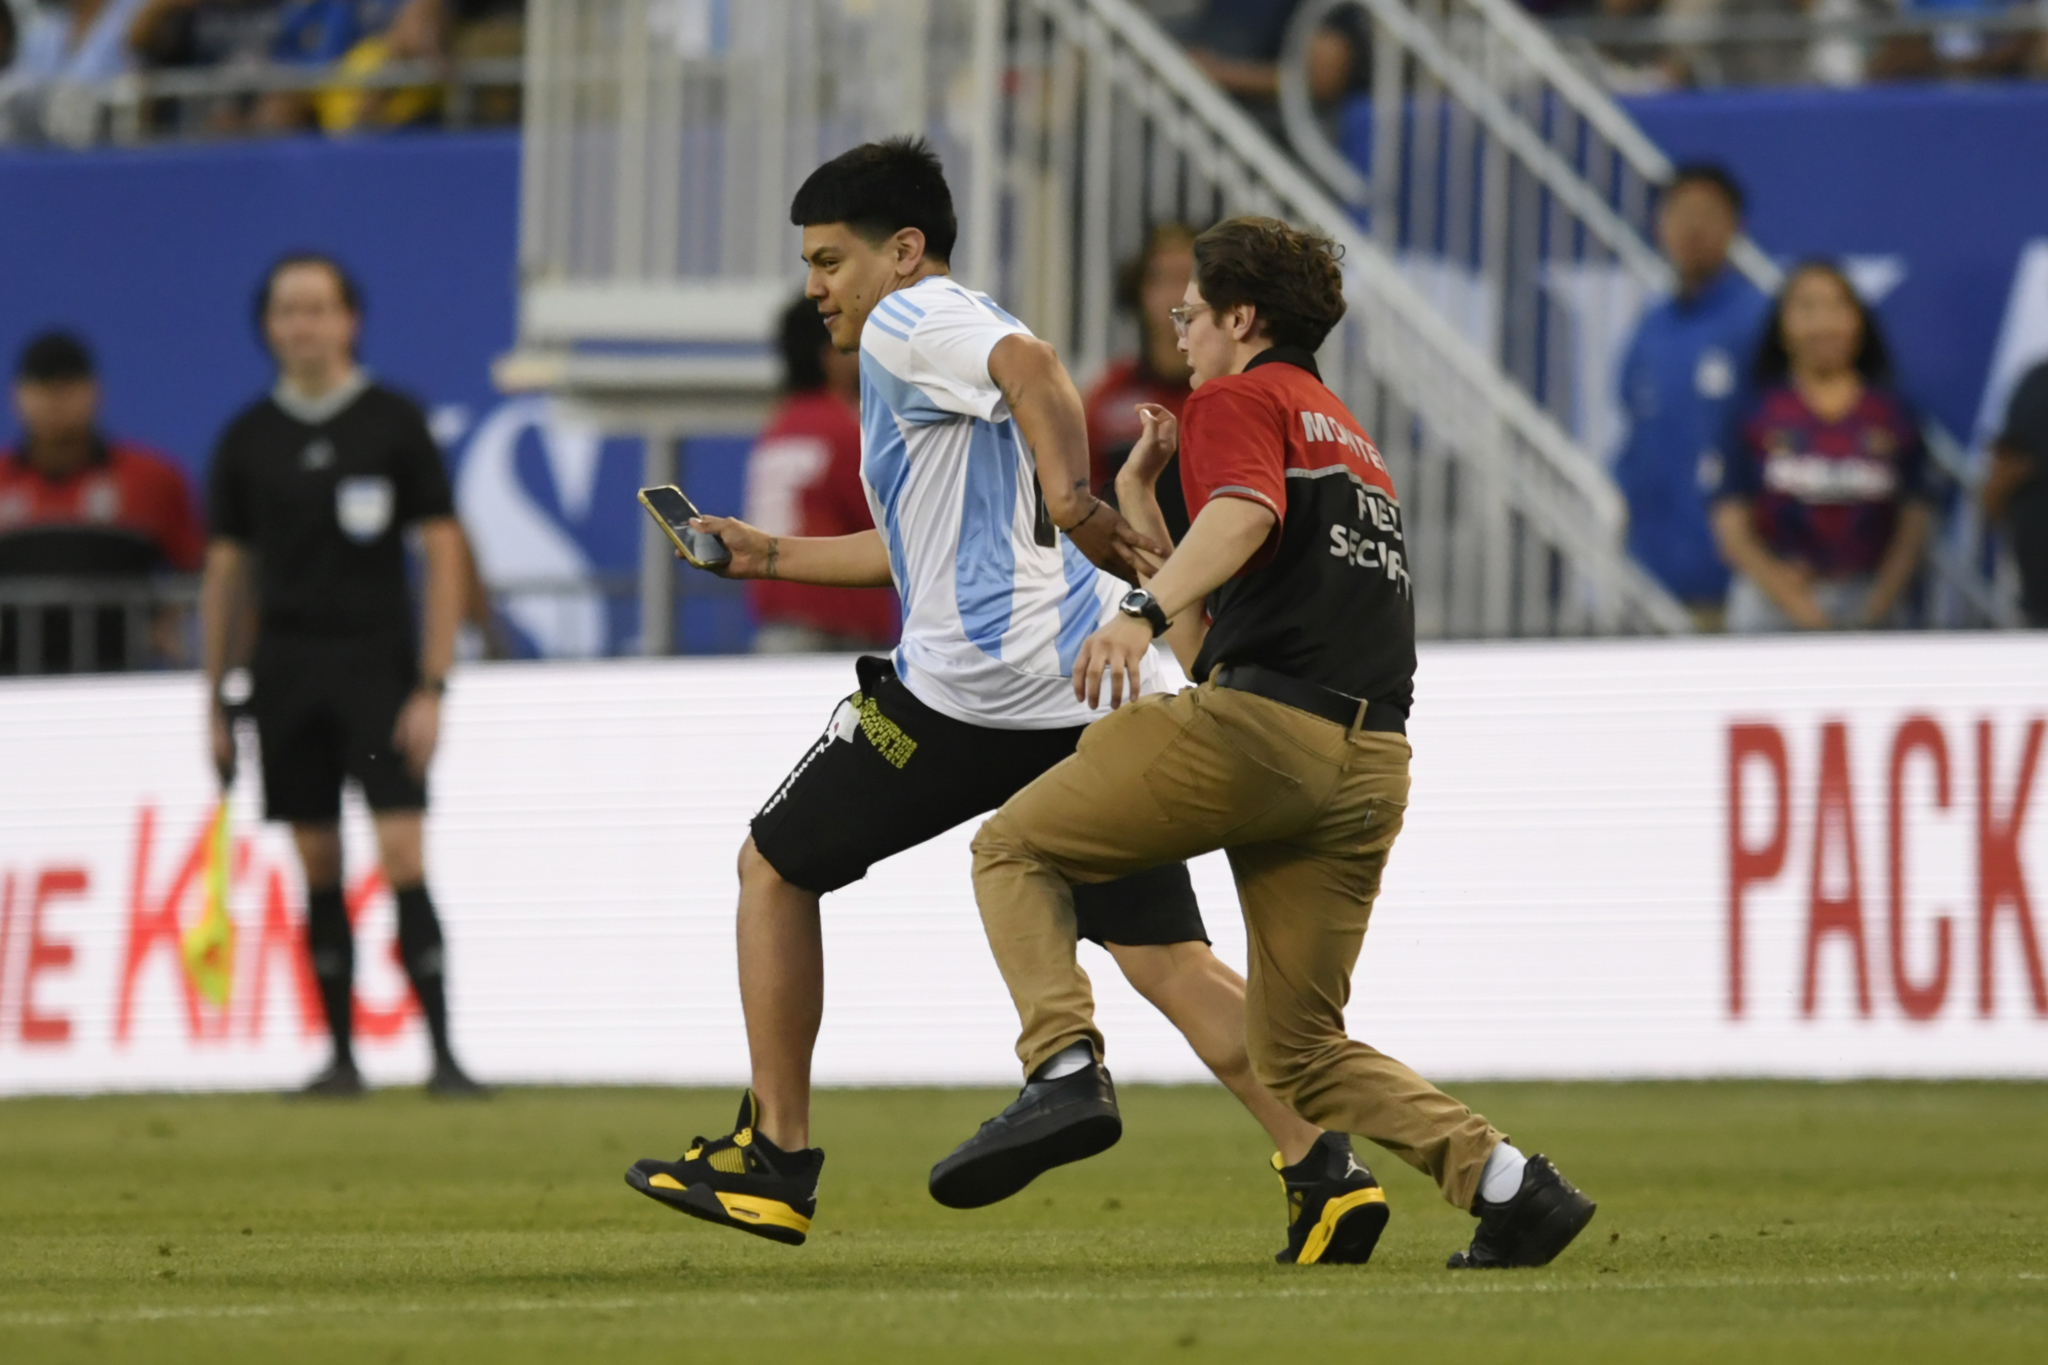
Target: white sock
<point x="1503" y="1174"/>
<point x="1066" y="1062"/>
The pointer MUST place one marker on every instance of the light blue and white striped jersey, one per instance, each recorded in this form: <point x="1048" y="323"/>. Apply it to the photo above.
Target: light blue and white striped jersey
<point x="992" y="619"/>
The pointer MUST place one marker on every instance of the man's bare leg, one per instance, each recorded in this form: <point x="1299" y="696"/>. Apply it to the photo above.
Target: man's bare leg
<point x="782" y="991"/>
<point x="1203" y="998"/>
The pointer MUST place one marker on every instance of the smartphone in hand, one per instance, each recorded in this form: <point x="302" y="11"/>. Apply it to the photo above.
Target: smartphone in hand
<point x="673" y="513"/>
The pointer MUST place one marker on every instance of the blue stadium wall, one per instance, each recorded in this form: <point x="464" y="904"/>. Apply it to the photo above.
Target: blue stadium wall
<point x="153" y="254"/>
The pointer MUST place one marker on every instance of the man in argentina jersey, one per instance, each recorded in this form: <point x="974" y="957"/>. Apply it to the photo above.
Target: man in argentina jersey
<point x="976" y="464"/>
<point x="996" y="605"/>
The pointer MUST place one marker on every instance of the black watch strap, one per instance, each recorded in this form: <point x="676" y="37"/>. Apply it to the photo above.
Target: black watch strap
<point x="1143" y="605"/>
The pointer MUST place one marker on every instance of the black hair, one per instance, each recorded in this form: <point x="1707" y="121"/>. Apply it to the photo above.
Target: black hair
<point x="880" y="188"/>
<point x="802" y="338"/>
<point x="1873" y="357"/>
<point x="54" y="357"/>
<point x="1715" y="177"/>
<point x="351" y="293"/>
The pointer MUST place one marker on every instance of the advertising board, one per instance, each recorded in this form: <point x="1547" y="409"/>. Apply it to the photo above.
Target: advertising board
<point x="1714" y="857"/>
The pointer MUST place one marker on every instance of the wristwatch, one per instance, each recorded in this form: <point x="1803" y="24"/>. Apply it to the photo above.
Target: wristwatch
<point x="1143" y="605"/>
<point x="437" y="686"/>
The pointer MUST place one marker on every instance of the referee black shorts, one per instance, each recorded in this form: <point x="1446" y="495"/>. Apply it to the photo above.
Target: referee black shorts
<point x="890" y="773"/>
<point x="325" y="708"/>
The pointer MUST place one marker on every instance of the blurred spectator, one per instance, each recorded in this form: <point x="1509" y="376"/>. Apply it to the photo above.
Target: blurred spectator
<point x="62" y="46"/>
<point x="225" y="35"/>
<point x="74" y="504"/>
<point x="803" y="479"/>
<point x="1677" y="376"/>
<point x="1960" y="49"/>
<point x="436" y="33"/>
<point x="1149" y="287"/>
<point x="1821" y="509"/>
<point x="1238" y="43"/>
<point x="2016" y="491"/>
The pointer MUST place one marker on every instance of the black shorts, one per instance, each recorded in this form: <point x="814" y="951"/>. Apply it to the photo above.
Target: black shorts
<point x="324" y="711"/>
<point x="890" y="773"/>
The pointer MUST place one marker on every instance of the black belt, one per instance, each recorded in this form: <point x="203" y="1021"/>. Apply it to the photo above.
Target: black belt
<point x="1317" y="700"/>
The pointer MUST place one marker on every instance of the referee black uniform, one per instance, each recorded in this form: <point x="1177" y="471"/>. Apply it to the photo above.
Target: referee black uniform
<point x="322" y="493"/>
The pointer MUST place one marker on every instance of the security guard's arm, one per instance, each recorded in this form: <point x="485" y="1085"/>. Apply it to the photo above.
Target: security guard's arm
<point x="860" y="560"/>
<point x="1047" y="410"/>
<point x="1137" y="493"/>
<point x="220" y="591"/>
<point x="418" y="731"/>
<point x="1224" y="537"/>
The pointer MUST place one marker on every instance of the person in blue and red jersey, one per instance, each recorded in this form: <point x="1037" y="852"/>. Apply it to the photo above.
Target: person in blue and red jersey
<point x="803" y="479"/>
<point x="1150" y="288"/>
<point x="75" y="503"/>
<point x="1682" y="371"/>
<point x="1821" y="509"/>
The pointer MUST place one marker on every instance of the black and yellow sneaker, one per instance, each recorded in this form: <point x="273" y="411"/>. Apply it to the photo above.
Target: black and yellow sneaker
<point x="1546" y="1213"/>
<point x="741" y="1180"/>
<point x="1336" y="1211"/>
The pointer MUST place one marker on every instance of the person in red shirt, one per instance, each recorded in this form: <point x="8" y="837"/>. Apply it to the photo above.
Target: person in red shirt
<point x="1290" y="602"/>
<point x="803" y="479"/>
<point x="1150" y="288"/>
<point x="77" y="505"/>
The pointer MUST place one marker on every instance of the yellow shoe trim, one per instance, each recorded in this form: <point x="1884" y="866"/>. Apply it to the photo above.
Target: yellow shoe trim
<point x="748" y="1208"/>
<point x="1333" y="1213"/>
<point x="664" y="1181"/>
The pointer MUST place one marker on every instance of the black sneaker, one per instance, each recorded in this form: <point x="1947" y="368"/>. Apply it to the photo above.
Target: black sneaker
<point x="340" y="1081"/>
<point x="1336" y="1211"/>
<point x="741" y="1180"/>
<point x="1530" y="1229"/>
<point x="1049" y="1124"/>
<point x="451" y="1082"/>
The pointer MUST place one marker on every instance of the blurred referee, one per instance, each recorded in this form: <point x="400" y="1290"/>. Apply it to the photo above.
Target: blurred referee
<point x="312" y="488"/>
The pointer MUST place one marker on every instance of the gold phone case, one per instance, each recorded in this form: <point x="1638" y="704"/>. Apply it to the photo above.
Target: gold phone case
<point x="682" y="546"/>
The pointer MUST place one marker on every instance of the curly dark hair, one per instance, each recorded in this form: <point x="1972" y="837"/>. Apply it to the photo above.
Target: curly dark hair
<point x="1773" y="364"/>
<point x="1288" y="274"/>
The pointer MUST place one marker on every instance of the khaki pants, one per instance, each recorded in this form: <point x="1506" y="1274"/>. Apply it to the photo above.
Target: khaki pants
<point x="1307" y="812"/>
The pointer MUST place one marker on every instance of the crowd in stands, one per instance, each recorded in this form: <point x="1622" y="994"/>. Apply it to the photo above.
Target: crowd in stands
<point x="53" y="52"/>
<point x="1651" y="45"/>
<point x="1775" y="473"/>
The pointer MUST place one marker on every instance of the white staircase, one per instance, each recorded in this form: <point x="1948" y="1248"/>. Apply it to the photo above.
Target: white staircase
<point x="1520" y="196"/>
<point x="665" y="137"/>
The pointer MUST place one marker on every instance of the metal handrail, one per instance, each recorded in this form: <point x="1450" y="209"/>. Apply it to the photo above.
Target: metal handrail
<point x="113" y="108"/>
<point x="1480" y="88"/>
<point x="1379" y="287"/>
<point x="27" y="601"/>
<point x="1684" y="30"/>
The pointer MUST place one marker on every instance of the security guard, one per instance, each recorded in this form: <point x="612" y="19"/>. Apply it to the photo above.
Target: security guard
<point x="1291" y="757"/>
<point x="316" y="483"/>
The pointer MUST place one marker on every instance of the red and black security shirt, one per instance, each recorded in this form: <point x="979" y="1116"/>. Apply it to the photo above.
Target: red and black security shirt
<point x="127" y="510"/>
<point x="1326" y="599"/>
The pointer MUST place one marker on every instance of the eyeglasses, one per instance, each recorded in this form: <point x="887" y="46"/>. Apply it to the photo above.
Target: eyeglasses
<point x="1181" y="314"/>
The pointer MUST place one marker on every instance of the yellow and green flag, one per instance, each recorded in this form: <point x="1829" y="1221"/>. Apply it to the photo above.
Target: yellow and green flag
<point x="209" y="945"/>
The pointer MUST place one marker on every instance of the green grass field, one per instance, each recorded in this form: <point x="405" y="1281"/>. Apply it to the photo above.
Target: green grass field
<point x="1748" y="1222"/>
